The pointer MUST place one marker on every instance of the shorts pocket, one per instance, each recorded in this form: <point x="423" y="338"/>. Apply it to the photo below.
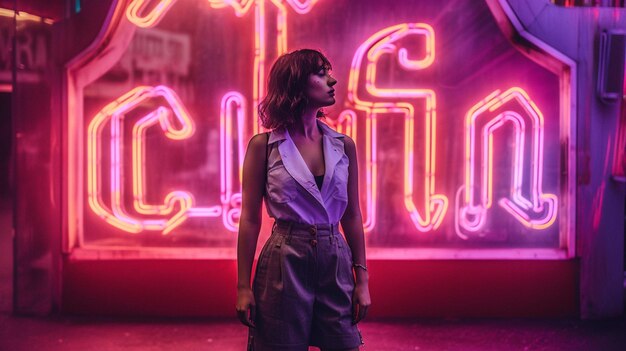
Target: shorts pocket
<point x="343" y="246"/>
<point x="268" y="284"/>
<point x="345" y="274"/>
<point x="295" y="267"/>
<point x="273" y="240"/>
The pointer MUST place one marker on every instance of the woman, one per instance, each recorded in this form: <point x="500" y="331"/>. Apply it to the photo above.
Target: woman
<point x="304" y="291"/>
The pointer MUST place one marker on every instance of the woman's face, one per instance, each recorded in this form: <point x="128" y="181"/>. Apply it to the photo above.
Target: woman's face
<point x="319" y="89"/>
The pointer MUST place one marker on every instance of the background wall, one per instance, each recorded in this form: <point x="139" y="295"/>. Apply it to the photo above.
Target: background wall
<point x="73" y="259"/>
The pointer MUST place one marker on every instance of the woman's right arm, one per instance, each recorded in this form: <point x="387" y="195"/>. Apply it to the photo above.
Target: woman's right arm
<point x="253" y="186"/>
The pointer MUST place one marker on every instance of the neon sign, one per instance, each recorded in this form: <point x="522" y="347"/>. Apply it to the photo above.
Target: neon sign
<point x="537" y="212"/>
<point x="409" y="115"/>
<point x="392" y="100"/>
<point x="114" y="112"/>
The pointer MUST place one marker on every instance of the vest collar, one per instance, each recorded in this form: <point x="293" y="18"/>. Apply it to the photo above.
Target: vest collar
<point x="281" y="133"/>
<point x="333" y="148"/>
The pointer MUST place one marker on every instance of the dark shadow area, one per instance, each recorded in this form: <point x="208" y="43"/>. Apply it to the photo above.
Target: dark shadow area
<point x="6" y="205"/>
<point x="5" y="146"/>
<point x="6" y="256"/>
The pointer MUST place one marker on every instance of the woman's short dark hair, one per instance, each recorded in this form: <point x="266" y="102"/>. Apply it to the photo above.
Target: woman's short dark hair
<point x="286" y="99"/>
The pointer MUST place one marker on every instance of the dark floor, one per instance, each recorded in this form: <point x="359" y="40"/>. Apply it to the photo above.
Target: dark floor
<point x="104" y="334"/>
<point x="79" y="333"/>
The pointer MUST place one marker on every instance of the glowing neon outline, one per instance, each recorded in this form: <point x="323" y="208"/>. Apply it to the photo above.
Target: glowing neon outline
<point x="231" y="201"/>
<point x="115" y="111"/>
<point x="24" y="16"/>
<point x="373" y="48"/>
<point x="94" y="168"/>
<point x="345" y="123"/>
<point x="240" y="7"/>
<point x="150" y="19"/>
<point x="517" y="205"/>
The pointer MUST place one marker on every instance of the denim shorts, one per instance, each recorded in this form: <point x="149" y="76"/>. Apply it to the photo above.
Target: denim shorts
<point x="303" y="288"/>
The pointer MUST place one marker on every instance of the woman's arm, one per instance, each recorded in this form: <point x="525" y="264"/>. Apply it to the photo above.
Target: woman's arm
<point x="352" y="223"/>
<point x="253" y="185"/>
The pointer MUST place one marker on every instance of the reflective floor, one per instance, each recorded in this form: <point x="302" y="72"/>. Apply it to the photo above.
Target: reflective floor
<point x="106" y="334"/>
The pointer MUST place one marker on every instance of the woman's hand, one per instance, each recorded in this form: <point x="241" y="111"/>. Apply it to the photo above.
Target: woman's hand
<point x="245" y="304"/>
<point x="360" y="302"/>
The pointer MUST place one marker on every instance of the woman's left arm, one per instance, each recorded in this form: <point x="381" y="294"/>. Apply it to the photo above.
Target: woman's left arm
<point x="352" y="223"/>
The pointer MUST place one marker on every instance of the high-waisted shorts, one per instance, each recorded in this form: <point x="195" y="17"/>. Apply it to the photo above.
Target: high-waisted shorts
<point x="303" y="288"/>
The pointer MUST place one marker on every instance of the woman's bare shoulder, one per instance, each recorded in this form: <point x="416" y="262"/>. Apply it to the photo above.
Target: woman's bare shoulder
<point x="349" y="146"/>
<point x="258" y="142"/>
<point x="348" y="141"/>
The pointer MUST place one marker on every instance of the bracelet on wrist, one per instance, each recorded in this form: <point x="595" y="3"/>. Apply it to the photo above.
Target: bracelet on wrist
<point x="358" y="265"/>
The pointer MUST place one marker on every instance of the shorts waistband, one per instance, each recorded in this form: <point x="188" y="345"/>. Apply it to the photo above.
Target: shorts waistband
<point x="294" y="228"/>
